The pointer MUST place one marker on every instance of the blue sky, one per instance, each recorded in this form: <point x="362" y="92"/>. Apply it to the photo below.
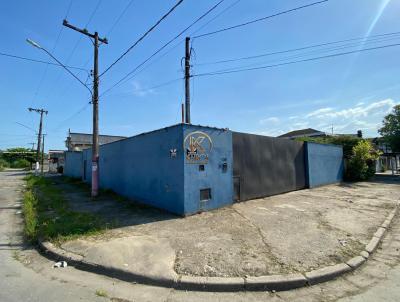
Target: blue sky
<point x="348" y="92"/>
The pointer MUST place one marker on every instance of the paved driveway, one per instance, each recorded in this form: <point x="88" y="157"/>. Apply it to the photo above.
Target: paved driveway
<point x="287" y="233"/>
<point x="27" y="276"/>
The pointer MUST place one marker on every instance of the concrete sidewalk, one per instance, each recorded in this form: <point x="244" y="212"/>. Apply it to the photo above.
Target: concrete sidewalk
<point x="286" y="234"/>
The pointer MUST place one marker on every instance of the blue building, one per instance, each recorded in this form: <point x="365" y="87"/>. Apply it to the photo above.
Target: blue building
<point x="186" y="169"/>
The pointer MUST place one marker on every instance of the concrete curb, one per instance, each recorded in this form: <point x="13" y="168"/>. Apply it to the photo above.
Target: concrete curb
<point x="264" y="283"/>
<point x="327" y="273"/>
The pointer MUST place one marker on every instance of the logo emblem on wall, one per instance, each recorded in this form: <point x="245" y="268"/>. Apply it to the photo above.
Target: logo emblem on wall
<point x="197" y="146"/>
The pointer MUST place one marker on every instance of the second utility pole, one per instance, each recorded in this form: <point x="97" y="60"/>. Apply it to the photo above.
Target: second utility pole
<point x="95" y="101"/>
<point x="42" y="163"/>
<point x="187" y="80"/>
<point x="41" y="111"/>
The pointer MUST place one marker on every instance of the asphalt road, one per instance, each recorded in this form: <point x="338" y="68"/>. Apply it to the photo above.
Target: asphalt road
<point x="28" y="276"/>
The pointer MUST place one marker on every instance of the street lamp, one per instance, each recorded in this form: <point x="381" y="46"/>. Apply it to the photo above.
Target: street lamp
<point x="33" y="43"/>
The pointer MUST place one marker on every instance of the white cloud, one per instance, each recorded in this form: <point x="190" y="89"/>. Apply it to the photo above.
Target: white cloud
<point x="270" y="120"/>
<point x="377" y="108"/>
<point x="362" y="116"/>
<point x="320" y="112"/>
<point x="138" y="90"/>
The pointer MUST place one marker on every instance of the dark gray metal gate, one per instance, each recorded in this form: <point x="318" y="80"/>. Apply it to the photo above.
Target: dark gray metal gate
<point x="265" y="166"/>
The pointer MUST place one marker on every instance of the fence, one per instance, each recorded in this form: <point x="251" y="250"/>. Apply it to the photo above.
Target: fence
<point x="324" y="164"/>
<point x="265" y="166"/>
<point x="73" y="164"/>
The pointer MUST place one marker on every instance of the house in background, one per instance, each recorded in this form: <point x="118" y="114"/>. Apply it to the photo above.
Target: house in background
<point x="56" y="160"/>
<point x="388" y="160"/>
<point x="309" y="132"/>
<point x="80" y="141"/>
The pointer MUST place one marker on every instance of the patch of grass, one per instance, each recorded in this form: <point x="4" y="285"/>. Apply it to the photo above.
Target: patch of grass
<point x="16" y="256"/>
<point x="48" y="215"/>
<point x="30" y="214"/>
<point x="101" y="293"/>
<point x="77" y="182"/>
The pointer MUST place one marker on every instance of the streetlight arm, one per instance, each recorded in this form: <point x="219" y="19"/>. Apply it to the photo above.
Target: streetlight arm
<point x="34" y="44"/>
<point x="69" y="71"/>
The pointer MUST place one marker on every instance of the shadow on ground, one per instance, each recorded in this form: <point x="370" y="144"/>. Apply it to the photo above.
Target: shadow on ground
<point x="113" y="209"/>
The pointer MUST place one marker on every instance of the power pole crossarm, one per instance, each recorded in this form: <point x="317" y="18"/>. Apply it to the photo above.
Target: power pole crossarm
<point x="84" y="31"/>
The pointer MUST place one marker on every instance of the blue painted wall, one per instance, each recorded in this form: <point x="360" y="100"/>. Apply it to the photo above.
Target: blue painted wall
<point x="73" y="164"/>
<point x="214" y="176"/>
<point x="87" y="165"/>
<point x="324" y="164"/>
<point x="141" y="168"/>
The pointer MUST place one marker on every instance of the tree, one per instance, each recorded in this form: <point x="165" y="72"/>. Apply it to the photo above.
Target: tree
<point x="390" y="130"/>
<point x="347" y="141"/>
<point x="14" y="154"/>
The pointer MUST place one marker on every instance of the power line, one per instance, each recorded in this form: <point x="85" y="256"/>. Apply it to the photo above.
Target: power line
<point x="217" y="16"/>
<point x="71" y="117"/>
<point x="260" y="19"/>
<point x="54" y="47"/>
<point x="364" y="38"/>
<point x="108" y="33"/>
<point x="78" y="41"/>
<point x="220" y="72"/>
<point x="119" y="17"/>
<point x="150" y="89"/>
<point x="320" y="51"/>
<point x="87" y="23"/>
<point x="159" y="85"/>
<point x="25" y="126"/>
<point x="181" y="41"/>
<point x="93" y="13"/>
<point x="143" y="36"/>
<point x="39" y="61"/>
<point x="162" y="47"/>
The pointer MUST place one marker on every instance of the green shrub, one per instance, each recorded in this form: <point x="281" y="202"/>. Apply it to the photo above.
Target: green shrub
<point x="346" y="141"/>
<point x="3" y="164"/>
<point x="20" y="163"/>
<point x="361" y="165"/>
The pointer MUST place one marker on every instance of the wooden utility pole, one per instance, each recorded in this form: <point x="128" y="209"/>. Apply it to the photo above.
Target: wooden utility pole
<point x="183" y="112"/>
<point x="42" y="163"/>
<point x="187" y="80"/>
<point x="41" y="111"/>
<point x="95" y="101"/>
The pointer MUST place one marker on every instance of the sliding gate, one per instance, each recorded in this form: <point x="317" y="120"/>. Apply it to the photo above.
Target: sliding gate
<point x="265" y="166"/>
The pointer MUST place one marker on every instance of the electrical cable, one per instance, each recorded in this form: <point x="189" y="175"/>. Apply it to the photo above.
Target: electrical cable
<point x="40" y="61"/>
<point x="70" y="117"/>
<point x="320" y="51"/>
<point x="220" y="72"/>
<point x="143" y="36"/>
<point x="181" y="41"/>
<point x="160" y="49"/>
<point x="259" y="19"/>
<point x="297" y="49"/>
<point x="119" y="17"/>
